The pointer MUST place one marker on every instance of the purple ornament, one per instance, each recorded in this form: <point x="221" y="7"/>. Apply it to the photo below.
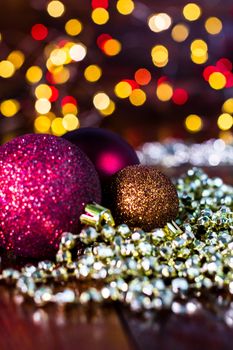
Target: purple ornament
<point x="108" y="151"/>
<point x="45" y="182"/>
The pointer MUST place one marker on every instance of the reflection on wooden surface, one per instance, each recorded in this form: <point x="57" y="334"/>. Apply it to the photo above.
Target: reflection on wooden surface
<point x="23" y="326"/>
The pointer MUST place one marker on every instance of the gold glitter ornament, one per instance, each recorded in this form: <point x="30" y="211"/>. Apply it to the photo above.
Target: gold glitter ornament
<point x="142" y="196"/>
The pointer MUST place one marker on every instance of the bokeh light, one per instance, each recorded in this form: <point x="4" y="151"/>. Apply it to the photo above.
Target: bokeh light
<point x="9" y="108"/>
<point x="43" y="91"/>
<point x="180" y="32"/>
<point x="42" y="124"/>
<point x="70" y="122"/>
<point x="34" y="74"/>
<point x="213" y="25"/>
<point x="125" y="7"/>
<point x="191" y="11"/>
<point x="217" y="80"/>
<point x="39" y="31"/>
<point x="57" y="127"/>
<point x="112" y="47"/>
<point x="7" y="69"/>
<point x="193" y="123"/>
<point x="42" y="106"/>
<point x="55" y="8"/>
<point x="100" y="16"/>
<point x="123" y="89"/>
<point x="109" y="110"/>
<point x="17" y="58"/>
<point x="73" y="27"/>
<point x="164" y="92"/>
<point x="137" y="97"/>
<point x="78" y="52"/>
<point x="92" y="73"/>
<point x="159" y="54"/>
<point x="180" y="96"/>
<point x="228" y="106"/>
<point x="225" y="121"/>
<point x="159" y="22"/>
<point x="101" y="101"/>
<point x="142" y="76"/>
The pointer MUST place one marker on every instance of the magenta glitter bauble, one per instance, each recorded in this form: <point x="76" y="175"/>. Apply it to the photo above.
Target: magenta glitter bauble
<point x="45" y="182"/>
<point x="108" y="151"/>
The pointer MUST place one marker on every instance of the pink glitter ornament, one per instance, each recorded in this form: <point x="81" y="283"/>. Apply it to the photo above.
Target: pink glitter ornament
<point x="45" y="182"/>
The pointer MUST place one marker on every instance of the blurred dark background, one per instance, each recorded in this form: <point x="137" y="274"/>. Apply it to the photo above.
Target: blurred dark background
<point x="154" y="119"/>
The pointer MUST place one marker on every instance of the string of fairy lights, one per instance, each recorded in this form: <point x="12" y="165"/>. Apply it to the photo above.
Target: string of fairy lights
<point x="57" y="112"/>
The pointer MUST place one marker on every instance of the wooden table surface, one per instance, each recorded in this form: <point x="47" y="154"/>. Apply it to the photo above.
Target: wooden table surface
<point x="23" y="326"/>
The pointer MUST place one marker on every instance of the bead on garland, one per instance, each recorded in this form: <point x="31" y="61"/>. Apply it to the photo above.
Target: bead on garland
<point x="144" y="270"/>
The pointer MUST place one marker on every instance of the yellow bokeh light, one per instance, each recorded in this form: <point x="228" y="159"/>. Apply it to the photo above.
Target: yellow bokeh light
<point x="125" y="7"/>
<point x="159" y="22"/>
<point x="164" y="92"/>
<point x="55" y="8"/>
<point x="137" y="97"/>
<point x="92" y="73"/>
<point x="7" y="69"/>
<point x="191" y="11"/>
<point x="193" y="123"/>
<point x="213" y="25"/>
<point x="101" y="101"/>
<point x="227" y="106"/>
<point x="34" y="74"/>
<point x="78" y="52"/>
<point x="57" y="127"/>
<point x="123" y="89"/>
<point x="217" y="80"/>
<point x="70" y="122"/>
<point x="109" y="110"/>
<point x="42" y="106"/>
<point x="58" y="57"/>
<point x="16" y="57"/>
<point x="51" y="115"/>
<point x="225" y="121"/>
<point x="199" y="59"/>
<point x="180" y="32"/>
<point x="226" y="136"/>
<point x="112" y="47"/>
<point x="43" y="91"/>
<point x="9" y="107"/>
<point x="42" y="124"/>
<point x="73" y="27"/>
<point x="159" y="55"/>
<point x="100" y="16"/>
<point x="198" y="44"/>
<point x="61" y="76"/>
<point x="69" y="108"/>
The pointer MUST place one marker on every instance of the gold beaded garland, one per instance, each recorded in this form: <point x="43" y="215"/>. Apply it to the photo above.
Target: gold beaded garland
<point x="161" y="269"/>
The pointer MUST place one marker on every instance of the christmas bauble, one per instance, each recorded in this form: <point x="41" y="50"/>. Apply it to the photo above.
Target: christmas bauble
<point x="45" y="182"/>
<point x="108" y="151"/>
<point x="142" y="196"/>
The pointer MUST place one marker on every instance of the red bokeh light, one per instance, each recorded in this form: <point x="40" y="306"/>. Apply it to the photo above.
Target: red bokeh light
<point x="224" y="64"/>
<point x="54" y="95"/>
<point x="208" y="71"/>
<point x="229" y="77"/>
<point x="101" y="40"/>
<point x="142" y="76"/>
<point x="99" y="3"/>
<point x="39" y="32"/>
<point x="68" y="99"/>
<point x="180" y="96"/>
<point x="163" y="79"/>
<point x="132" y="83"/>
